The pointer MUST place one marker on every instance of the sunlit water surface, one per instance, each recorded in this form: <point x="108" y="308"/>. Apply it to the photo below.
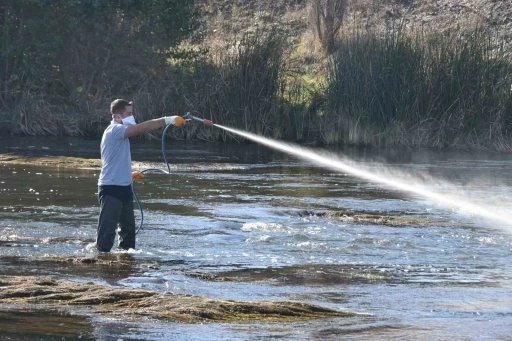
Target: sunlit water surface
<point x="238" y="210"/>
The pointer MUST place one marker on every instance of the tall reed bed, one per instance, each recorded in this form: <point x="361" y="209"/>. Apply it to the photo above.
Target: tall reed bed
<point x="241" y="86"/>
<point x="248" y="83"/>
<point x="437" y="90"/>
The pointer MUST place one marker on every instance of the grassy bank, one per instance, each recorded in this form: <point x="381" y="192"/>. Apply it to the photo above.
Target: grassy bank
<point x="424" y="90"/>
<point x="391" y="88"/>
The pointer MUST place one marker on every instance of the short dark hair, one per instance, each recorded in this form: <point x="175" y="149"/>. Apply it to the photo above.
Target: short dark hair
<point x="117" y="106"/>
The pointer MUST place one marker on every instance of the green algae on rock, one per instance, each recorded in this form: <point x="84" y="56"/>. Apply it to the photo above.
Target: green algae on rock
<point x="363" y="217"/>
<point x="173" y="307"/>
<point x="50" y="161"/>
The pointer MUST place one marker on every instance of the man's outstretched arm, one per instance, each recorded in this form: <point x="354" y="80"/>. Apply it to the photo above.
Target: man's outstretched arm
<point x="154" y="124"/>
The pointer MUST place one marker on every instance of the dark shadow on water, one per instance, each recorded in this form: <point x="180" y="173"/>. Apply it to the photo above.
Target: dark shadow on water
<point x="352" y="274"/>
<point x="362" y="332"/>
<point x="249" y="153"/>
<point x="44" y="325"/>
<point x="109" y="268"/>
<point x="311" y="275"/>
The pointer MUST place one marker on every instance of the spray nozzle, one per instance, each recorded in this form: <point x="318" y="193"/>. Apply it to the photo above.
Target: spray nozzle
<point x="189" y="117"/>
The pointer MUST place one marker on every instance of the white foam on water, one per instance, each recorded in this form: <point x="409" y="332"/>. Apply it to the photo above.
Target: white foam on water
<point x="259" y="239"/>
<point x="309" y="245"/>
<point x="177" y="253"/>
<point x="263" y="227"/>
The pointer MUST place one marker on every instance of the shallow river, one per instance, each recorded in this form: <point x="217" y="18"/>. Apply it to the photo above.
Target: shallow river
<point x="240" y="210"/>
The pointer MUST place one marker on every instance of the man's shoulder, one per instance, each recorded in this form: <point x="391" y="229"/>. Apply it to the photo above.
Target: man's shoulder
<point x="115" y="130"/>
<point x="115" y="126"/>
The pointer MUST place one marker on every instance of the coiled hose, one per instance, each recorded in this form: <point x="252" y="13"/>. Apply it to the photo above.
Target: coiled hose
<point x="164" y="153"/>
<point x="187" y="117"/>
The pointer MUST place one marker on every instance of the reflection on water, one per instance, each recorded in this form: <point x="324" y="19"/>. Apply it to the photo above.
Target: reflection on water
<point x="236" y="212"/>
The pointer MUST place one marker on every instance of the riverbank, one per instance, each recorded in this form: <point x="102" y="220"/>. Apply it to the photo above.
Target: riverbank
<point x="258" y="66"/>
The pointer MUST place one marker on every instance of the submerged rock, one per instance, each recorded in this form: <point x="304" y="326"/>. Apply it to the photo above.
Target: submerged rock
<point x="174" y="307"/>
<point x="362" y="217"/>
<point x="207" y="276"/>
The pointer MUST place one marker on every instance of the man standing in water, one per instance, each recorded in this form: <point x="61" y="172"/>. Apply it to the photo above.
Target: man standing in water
<point x="114" y="185"/>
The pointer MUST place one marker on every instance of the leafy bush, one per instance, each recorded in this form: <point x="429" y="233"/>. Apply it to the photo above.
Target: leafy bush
<point x="78" y="55"/>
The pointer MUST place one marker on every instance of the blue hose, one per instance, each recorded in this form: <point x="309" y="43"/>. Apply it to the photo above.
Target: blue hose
<point x="164" y="153"/>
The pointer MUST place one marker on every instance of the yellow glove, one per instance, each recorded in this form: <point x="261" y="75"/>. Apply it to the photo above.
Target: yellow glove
<point x="180" y="121"/>
<point x="137" y="176"/>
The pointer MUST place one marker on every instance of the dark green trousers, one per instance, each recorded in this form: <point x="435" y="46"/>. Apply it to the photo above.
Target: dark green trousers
<point x="114" y="213"/>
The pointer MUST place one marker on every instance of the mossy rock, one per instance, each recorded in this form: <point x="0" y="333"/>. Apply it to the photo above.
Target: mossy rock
<point x="167" y="306"/>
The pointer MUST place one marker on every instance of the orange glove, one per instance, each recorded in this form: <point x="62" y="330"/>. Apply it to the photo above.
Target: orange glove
<point x="137" y="176"/>
<point x="180" y="121"/>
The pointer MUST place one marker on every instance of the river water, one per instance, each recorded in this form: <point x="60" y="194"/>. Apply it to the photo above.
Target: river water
<point x="244" y="211"/>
